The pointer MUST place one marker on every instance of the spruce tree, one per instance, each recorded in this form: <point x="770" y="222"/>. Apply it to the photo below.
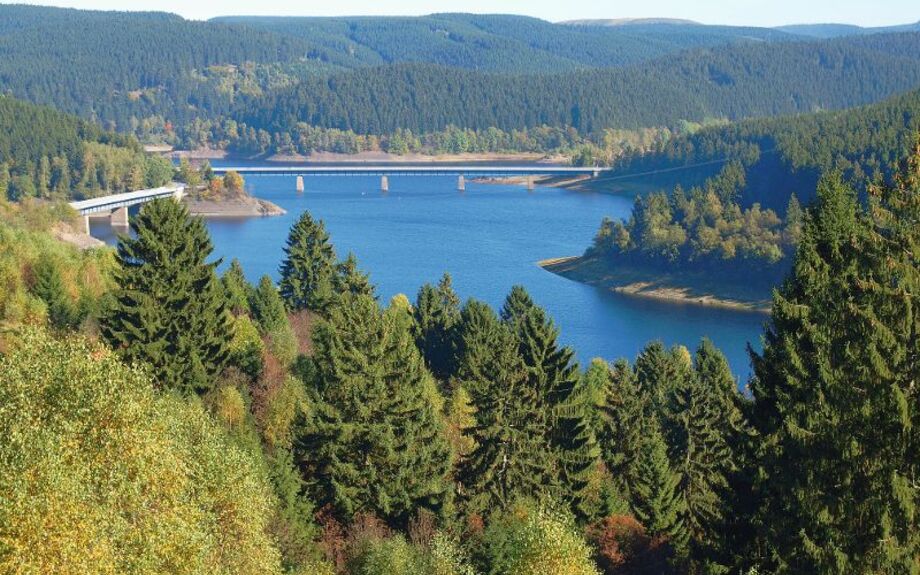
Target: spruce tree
<point x="836" y="389"/>
<point x="267" y="306"/>
<point x="375" y="441"/>
<point x="553" y="377"/>
<point x="656" y="497"/>
<point x="309" y="267"/>
<point x="701" y="455"/>
<point x="350" y="279"/>
<point x="511" y="457"/>
<point x="622" y="428"/>
<point x="237" y="288"/>
<point x="658" y="372"/>
<point x="169" y="310"/>
<point x="437" y="315"/>
<point x="48" y="285"/>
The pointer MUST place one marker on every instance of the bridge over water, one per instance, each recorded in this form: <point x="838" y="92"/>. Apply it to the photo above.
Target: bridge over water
<point x="116" y="206"/>
<point x="386" y="171"/>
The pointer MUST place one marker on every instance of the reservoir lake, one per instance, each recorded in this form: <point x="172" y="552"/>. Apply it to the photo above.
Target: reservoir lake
<point x="489" y="238"/>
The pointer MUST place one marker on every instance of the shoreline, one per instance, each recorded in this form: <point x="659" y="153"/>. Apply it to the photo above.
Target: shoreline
<point x="248" y="207"/>
<point x="636" y="283"/>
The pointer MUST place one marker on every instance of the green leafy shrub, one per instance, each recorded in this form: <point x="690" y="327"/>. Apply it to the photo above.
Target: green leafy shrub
<point x="538" y="541"/>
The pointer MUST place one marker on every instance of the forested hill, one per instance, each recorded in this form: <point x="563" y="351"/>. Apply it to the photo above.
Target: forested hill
<point x="733" y="82"/>
<point x="111" y="65"/>
<point x="265" y="80"/>
<point x="47" y="153"/>
<point x="788" y="155"/>
<point x="500" y="43"/>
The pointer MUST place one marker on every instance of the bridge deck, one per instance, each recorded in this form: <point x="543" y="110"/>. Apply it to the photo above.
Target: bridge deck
<point x="409" y="170"/>
<point x="114" y="201"/>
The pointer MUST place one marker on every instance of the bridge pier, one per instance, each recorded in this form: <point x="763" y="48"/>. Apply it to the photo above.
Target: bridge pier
<point x="461" y="183"/>
<point x="300" y="184"/>
<point x="530" y="184"/>
<point x="384" y="184"/>
<point x="595" y="174"/>
<point x="119" y="217"/>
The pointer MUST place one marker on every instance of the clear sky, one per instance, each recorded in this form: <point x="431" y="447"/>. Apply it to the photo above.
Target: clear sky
<point x="736" y="12"/>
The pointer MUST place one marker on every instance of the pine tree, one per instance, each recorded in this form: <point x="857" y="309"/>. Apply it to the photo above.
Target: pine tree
<point x="309" y="267"/>
<point x="511" y="457"/>
<point x="267" y="306"/>
<point x="835" y="389"/>
<point x="622" y="428"/>
<point x="656" y="498"/>
<point x="169" y="310"/>
<point x="48" y="285"/>
<point x="658" y="373"/>
<point x="375" y="441"/>
<point x="553" y="377"/>
<point x="701" y="456"/>
<point x="516" y="305"/>
<point x="437" y="315"/>
<point x="731" y="529"/>
<point x="237" y="289"/>
<point x="350" y="279"/>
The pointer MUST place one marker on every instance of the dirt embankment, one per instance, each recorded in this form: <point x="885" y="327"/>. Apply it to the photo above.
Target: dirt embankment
<point x="698" y="289"/>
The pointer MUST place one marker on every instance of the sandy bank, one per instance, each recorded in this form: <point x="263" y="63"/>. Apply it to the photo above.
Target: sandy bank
<point x="679" y="288"/>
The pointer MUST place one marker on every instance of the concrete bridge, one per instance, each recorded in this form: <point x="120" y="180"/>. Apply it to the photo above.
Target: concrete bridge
<point x="386" y="171"/>
<point x="116" y="206"/>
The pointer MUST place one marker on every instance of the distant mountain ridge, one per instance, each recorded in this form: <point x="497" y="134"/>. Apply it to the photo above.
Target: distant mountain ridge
<point x="832" y="30"/>
<point x="629" y="21"/>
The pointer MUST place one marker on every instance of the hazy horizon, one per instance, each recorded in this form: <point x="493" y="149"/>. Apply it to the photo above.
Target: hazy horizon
<point x="713" y="12"/>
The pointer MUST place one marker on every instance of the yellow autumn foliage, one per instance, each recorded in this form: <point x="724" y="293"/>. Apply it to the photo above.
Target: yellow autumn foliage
<point x="100" y="474"/>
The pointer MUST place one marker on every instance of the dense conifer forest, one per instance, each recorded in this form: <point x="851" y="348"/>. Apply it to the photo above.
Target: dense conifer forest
<point x="256" y="85"/>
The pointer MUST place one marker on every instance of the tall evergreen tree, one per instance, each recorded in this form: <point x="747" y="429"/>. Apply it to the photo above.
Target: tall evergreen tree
<point x="237" y="288"/>
<point x="702" y="457"/>
<point x="169" y="310"/>
<point x="511" y="457"/>
<point x="553" y="376"/>
<point x="656" y="498"/>
<point x="437" y="315"/>
<point x="267" y="306"/>
<point x="836" y="389"/>
<point x="622" y="428"/>
<point x="658" y="372"/>
<point x="375" y="441"/>
<point x="350" y="279"/>
<point x="309" y="267"/>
